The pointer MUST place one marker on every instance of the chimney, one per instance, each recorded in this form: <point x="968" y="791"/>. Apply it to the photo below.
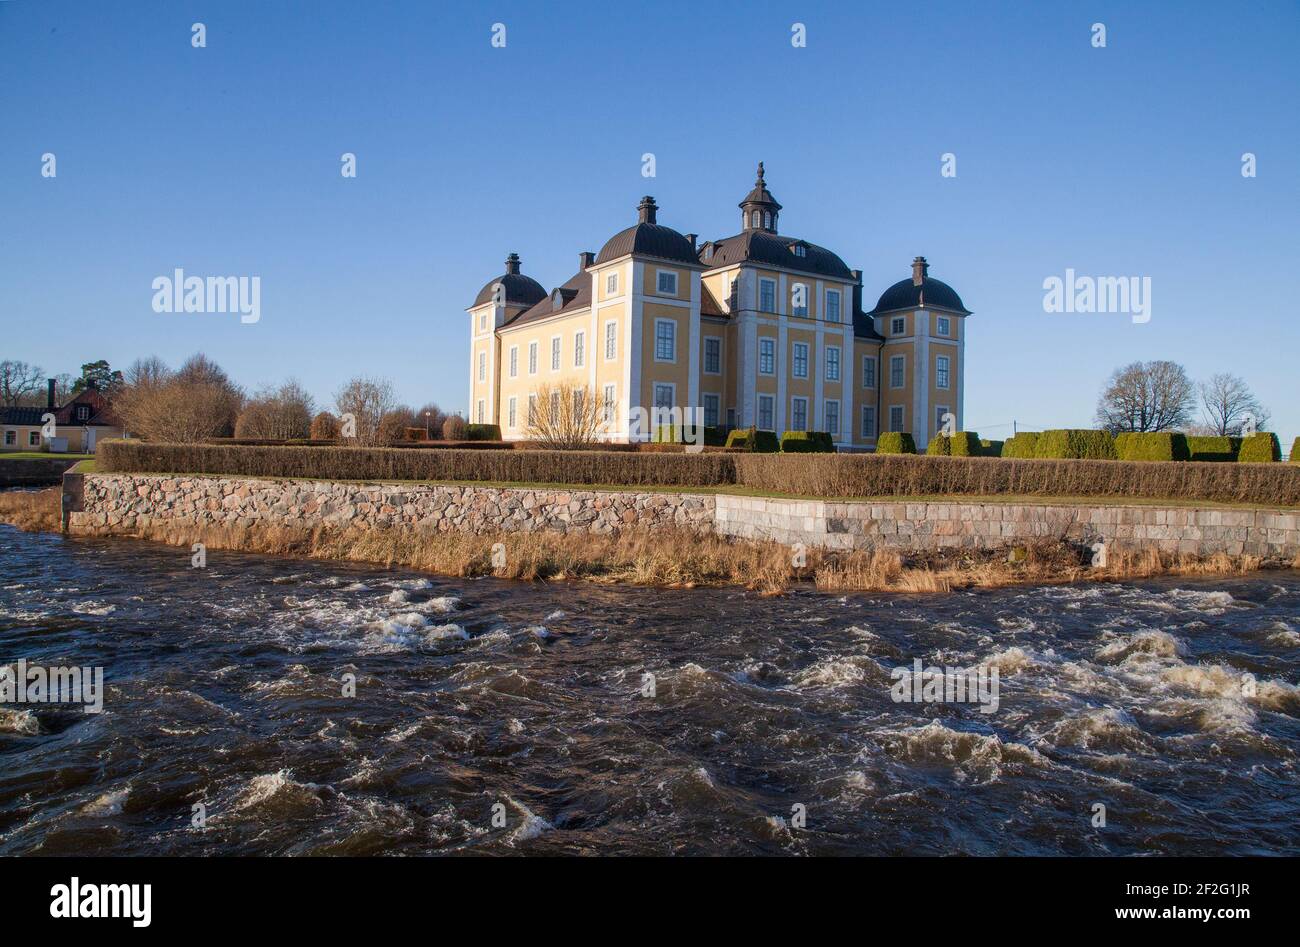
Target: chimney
<point x="857" y="292"/>
<point x="49" y="394"/>
<point x="585" y="259"/>
<point x="691" y="238"/>
<point x="512" y="263"/>
<point x="646" y="210"/>
<point x="919" y="270"/>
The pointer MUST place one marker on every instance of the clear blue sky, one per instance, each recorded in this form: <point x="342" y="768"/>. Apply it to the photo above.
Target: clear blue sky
<point x="225" y="161"/>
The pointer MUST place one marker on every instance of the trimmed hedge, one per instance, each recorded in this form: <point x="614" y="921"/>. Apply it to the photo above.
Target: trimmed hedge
<point x="807" y="442"/>
<point x="1075" y="444"/>
<point x="940" y="446"/>
<point x="483" y="432"/>
<point x="1213" y="449"/>
<point x="830" y="475"/>
<point x="1295" y="451"/>
<point x="895" y="442"/>
<point x="1261" y="448"/>
<point x="1020" y="445"/>
<point x="961" y="444"/>
<point x="991" y="448"/>
<point x="1163" y="445"/>
<point x="752" y="439"/>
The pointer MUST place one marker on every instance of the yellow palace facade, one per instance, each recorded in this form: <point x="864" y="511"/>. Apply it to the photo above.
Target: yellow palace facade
<point x="757" y="329"/>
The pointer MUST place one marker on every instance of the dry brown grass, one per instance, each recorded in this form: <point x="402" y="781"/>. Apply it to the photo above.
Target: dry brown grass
<point x="681" y="559"/>
<point x="35" y="511"/>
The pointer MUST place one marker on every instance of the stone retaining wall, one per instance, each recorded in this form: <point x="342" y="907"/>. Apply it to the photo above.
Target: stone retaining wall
<point x="857" y="525"/>
<point x="119" y="503"/>
<point x="105" y="504"/>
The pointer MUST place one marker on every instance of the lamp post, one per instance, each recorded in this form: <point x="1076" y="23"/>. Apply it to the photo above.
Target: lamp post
<point x="426" y="425"/>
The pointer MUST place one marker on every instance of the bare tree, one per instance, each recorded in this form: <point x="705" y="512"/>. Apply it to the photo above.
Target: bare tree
<point x="325" y="427"/>
<point x="19" y="382"/>
<point x="565" y="416"/>
<point x="395" y="424"/>
<point x="1226" y="401"/>
<point x="367" y="401"/>
<point x="194" y="404"/>
<point x="277" y="413"/>
<point x="431" y="416"/>
<point x="144" y="371"/>
<point x="1146" y="396"/>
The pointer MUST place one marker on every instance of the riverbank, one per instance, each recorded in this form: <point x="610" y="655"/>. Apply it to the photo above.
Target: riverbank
<point x="669" y="557"/>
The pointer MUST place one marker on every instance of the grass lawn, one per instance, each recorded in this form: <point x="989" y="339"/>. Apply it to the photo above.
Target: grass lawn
<point x="42" y="455"/>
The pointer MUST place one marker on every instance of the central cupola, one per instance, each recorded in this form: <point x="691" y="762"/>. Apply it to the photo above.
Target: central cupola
<point x="759" y="209"/>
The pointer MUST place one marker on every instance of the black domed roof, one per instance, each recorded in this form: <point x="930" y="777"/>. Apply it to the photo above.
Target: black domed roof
<point x="648" y="238"/>
<point x="520" y="289"/>
<point x="760" y="246"/>
<point x="918" y="292"/>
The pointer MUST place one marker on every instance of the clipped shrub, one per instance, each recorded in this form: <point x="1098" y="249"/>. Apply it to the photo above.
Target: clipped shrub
<point x="1075" y="444"/>
<point x="1162" y="445"/>
<point x="752" y="439"/>
<point x="965" y="444"/>
<point x="991" y="448"/>
<point x="479" y="432"/>
<point x="714" y="437"/>
<point x="940" y="446"/>
<point x="895" y="442"/>
<point x="1021" y="445"/>
<point x="1261" y="448"/>
<point x="825" y="475"/>
<point x="807" y="442"/>
<point x="1295" y="451"/>
<point x="1221" y="450"/>
<point x="453" y="429"/>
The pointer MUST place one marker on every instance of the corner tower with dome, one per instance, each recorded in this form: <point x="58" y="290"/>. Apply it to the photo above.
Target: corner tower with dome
<point x="760" y="328"/>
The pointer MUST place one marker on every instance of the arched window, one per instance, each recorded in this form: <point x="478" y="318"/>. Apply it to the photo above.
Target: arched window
<point x="755" y="218"/>
<point x="767" y="220"/>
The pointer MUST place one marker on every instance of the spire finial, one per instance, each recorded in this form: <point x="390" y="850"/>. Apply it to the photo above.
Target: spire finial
<point x="759" y="182"/>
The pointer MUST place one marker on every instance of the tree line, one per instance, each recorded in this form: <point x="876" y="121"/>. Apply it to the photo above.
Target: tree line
<point x="1159" y="396"/>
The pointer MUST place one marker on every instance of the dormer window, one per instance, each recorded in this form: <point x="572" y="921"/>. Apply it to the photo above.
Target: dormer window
<point x="708" y="251"/>
<point x="800" y="250"/>
<point x="83" y="412"/>
<point x="557" y="300"/>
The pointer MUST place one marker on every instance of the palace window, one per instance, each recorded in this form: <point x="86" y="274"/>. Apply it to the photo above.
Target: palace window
<point x="939" y="411"/>
<point x="482" y="321"/>
<point x="555" y="354"/>
<point x="941" y="325"/>
<point x="611" y="284"/>
<point x="766" y="413"/>
<point x="754" y="218"/>
<point x="767" y="356"/>
<point x="800" y="250"/>
<point x="868" y="421"/>
<point x="480" y="411"/>
<point x="514" y="361"/>
<point x="665" y="395"/>
<point x="832" y="363"/>
<point x="896" y="371"/>
<point x="511" y="418"/>
<point x="800" y="356"/>
<point x="898" y="326"/>
<point x="767" y="219"/>
<point x="767" y="295"/>
<point x="798" y="414"/>
<point x="712" y="356"/>
<point x="665" y="340"/>
<point x="611" y="341"/>
<point x="532" y="410"/>
<point x="555" y="410"/>
<point x="832" y="305"/>
<point x="611" y="401"/>
<point x="711" y="410"/>
<point x="868" y="371"/>
<point x="799" y="300"/>
<point x="896" y="418"/>
<point x="482" y="366"/>
<point x="579" y="349"/>
<point x="667" y="282"/>
<point x="941" y="371"/>
<point x="832" y="412"/>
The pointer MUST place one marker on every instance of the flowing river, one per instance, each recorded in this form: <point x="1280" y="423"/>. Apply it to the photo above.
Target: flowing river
<point x="498" y="717"/>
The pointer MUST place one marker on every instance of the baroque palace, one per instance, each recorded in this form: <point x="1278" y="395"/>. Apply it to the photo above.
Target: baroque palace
<point x="758" y="329"/>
